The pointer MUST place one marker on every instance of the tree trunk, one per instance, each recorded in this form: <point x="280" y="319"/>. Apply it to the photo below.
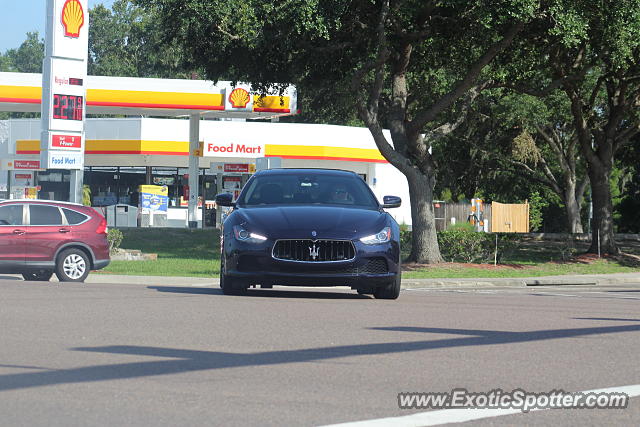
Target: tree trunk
<point x="424" y="246"/>
<point x="572" y="207"/>
<point x="602" y="239"/>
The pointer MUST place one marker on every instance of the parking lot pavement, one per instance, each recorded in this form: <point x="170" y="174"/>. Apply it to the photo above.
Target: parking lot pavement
<point x="591" y="279"/>
<point x="140" y="351"/>
<point x="141" y="280"/>
<point x="148" y="280"/>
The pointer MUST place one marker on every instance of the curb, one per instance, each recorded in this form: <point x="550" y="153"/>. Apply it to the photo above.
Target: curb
<point x="581" y="280"/>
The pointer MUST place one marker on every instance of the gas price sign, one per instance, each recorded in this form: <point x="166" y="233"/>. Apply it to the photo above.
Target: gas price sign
<point x="67" y="107"/>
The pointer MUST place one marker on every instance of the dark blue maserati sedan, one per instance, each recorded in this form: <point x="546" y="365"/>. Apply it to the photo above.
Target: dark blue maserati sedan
<point x="310" y="227"/>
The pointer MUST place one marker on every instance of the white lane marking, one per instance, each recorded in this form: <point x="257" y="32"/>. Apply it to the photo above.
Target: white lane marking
<point x="554" y="294"/>
<point x="446" y="416"/>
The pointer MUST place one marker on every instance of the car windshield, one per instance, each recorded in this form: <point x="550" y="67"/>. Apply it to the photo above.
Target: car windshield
<point x="307" y="188"/>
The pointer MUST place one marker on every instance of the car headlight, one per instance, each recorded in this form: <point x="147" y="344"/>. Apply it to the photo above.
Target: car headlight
<point x="383" y="236"/>
<point x="244" y="235"/>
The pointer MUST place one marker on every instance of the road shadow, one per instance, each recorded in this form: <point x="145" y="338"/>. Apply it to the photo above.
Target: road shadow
<point x="614" y="319"/>
<point x="187" y="290"/>
<point x="183" y="360"/>
<point x="263" y="293"/>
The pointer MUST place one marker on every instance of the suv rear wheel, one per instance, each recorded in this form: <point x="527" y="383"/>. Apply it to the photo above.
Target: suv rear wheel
<point x="72" y="266"/>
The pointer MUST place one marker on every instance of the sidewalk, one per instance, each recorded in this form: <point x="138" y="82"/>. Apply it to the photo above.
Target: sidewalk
<point x="591" y="279"/>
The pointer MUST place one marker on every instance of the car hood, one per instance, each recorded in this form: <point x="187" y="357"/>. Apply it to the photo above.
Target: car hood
<point x="300" y="221"/>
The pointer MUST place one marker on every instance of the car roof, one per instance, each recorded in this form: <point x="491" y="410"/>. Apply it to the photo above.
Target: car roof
<point x="296" y="171"/>
<point x="57" y="202"/>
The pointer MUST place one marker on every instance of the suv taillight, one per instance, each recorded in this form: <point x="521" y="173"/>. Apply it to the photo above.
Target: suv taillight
<point x="102" y="228"/>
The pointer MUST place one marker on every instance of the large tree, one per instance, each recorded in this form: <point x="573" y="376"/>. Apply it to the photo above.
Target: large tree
<point x="546" y="149"/>
<point x="27" y="58"/>
<point x="126" y="40"/>
<point x="400" y="64"/>
<point x="590" y="51"/>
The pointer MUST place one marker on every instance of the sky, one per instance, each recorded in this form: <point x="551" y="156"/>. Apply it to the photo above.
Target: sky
<point x="18" y="17"/>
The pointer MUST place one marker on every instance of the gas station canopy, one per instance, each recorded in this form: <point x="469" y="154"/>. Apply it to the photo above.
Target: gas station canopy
<point x="22" y="92"/>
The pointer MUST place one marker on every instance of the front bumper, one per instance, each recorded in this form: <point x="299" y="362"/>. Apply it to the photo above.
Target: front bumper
<point x="373" y="266"/>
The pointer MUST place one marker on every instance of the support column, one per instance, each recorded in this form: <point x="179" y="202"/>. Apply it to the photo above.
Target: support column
<point x="194" y="144"/>
<point x="219" y="189"/>
<point x="75" y="185"/>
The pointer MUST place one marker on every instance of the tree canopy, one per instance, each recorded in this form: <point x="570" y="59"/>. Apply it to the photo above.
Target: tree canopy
<point x="590" y="53"/>
<point x="399" y="64"/>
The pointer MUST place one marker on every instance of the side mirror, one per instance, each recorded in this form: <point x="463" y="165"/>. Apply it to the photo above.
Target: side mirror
<point x="225" y="199"/>
<point x="391" y="202"/>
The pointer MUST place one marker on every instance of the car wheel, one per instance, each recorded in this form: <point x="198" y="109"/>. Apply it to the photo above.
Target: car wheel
<point x="389" y="291"/>
<point x="72" y="266"/>
<point x="228" y="284"/>
<point x="38" y="276"/>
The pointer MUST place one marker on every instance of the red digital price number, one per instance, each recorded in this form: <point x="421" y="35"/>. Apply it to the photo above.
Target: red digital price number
<point x="67" y="107"/>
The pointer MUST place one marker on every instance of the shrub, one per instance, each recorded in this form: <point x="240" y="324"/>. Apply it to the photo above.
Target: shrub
<point x="536" y="204"/>
<point x="461" y="245"/>
<point x="464" y="226"/>
<point x="114" y="237"/>
<point x="405" y="237"/>
<point x="86" y="195"/>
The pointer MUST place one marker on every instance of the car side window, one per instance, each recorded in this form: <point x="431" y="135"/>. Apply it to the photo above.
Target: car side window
<point x="44" y="215"/>
<point x="11" y="215"/>
<point x="73" y="217"/>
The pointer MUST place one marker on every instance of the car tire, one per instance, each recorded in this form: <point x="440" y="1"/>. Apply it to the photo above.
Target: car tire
<point x="72" y="265"/>
<point x="38" y="276"/>
<point x="228" y="284"/>
<point x="391" y="290"/>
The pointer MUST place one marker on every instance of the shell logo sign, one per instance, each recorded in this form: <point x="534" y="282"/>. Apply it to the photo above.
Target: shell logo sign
<point x="72" y="18"/>
<point x="239" y="98"/>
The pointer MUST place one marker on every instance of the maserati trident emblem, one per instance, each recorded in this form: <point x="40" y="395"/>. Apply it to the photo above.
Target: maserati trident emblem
<point x="314" y="252"/>
<point x="313" y="233"/>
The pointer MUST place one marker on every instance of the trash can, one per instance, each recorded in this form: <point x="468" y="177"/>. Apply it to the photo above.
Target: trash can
<point x="122" y="216"/>
<point x="210" y="218"/>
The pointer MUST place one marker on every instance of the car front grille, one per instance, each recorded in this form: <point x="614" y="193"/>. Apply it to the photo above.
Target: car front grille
<point x="307" y="250"/>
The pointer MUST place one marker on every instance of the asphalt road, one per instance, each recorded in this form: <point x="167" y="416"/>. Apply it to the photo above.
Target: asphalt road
<point x="159" y="355"/>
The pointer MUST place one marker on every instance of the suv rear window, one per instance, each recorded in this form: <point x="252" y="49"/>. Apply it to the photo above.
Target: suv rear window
<point x="11" y="215"/>
<point x="44" y="215"/>
<point x="73" y="217"/>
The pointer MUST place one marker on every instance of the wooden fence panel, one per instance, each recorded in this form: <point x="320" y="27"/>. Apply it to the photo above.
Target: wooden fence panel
<point x="509" y="218"/>
<point x="445" y="212"/>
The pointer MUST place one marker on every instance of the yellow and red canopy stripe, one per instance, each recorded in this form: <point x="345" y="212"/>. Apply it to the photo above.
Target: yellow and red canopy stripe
<point x="181" y="148"/>
<point x="21" y="94"/>
<point x="271" y="104"/>
<point x="324" y="153"/>
<point x="148" y="99"/>
<point x="152" y="99"/>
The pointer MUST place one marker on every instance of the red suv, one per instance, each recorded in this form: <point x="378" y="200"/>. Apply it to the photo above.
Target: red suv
<point x="40" y="237"/>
